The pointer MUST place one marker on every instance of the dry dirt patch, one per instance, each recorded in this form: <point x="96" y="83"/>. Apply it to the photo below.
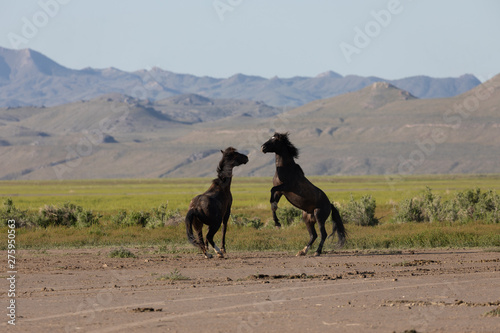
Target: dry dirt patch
<point x="83" y="290"/>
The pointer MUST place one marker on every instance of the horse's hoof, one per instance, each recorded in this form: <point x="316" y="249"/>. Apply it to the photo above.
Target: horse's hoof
<point x="317" y="254"/>
<point x="277" y="226"/>
<point x="220" y="255"/>
<point x="208" y="256"/>
<point x="300" y="253"/>
<point x="223" y="251"/>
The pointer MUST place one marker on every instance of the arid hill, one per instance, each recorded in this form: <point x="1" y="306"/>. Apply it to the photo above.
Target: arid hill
<point x="380" y="129"/>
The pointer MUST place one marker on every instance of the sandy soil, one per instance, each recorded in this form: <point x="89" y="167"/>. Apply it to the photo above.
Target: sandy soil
<point x="83" y="290"/>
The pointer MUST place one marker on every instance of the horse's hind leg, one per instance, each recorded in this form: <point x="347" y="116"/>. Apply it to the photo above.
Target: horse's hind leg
<point x="203" y="245"/>
<point x="321" y="222"/>
<point x="309" y="221"/>
<point x="212" y="229"/>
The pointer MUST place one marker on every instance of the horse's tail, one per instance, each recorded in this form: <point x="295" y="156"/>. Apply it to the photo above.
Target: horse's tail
<point x="189" y="227"/>
<point x="338" y="227"/>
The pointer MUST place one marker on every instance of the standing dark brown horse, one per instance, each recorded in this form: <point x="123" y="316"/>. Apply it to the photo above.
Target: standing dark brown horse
<point x="214" y="206"/>
<point x="289" y="180"/>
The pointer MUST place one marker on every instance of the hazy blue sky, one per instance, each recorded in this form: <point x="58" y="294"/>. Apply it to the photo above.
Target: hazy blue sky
<point x="390" y="39"/>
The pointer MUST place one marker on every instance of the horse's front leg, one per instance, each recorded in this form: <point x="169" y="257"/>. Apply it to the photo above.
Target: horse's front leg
<point x="276" y="193"/>
<point x="276" y="189"/>
<point x="274" y="208"/>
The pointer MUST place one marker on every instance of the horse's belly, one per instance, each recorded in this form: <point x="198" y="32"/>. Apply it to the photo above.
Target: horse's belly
<point x="300" y="202"/>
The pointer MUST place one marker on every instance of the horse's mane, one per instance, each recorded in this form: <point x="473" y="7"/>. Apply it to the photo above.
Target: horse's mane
<point x="292" y="150"/>
<point x="222" y="163"/>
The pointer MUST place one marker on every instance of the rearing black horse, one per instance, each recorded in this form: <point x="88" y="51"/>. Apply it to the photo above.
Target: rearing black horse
<point x="214" y="206"/>
<point x="289" y="180"/>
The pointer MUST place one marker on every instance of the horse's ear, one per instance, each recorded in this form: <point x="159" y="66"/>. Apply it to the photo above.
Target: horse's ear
<point x="222" y="151"/>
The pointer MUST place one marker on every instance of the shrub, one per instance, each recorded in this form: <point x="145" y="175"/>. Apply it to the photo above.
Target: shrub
<point x="475" y="205"/>
<point x="10" y="212"/>
<point x="119" y="217"/>
<point x="490" y="207"/>
<point x="156" y="217"/>
<point x="408" y="210"/>
<point x="161" y="216"/>
<point x="174" y="275"/>
<point x="466" y="202"/>
<point x="242" y="220"/>
<point x="136" y="218"/>
<point x="121" y="253"/>
<point x="289" y="215"/>
<point x="431" y="207"/>
<point x="124" y="219"/>
<point x="86" y="218"/>
<point x="67" y="215"/>
<point x="360" y="212"/>
<point x="466" y="206"/>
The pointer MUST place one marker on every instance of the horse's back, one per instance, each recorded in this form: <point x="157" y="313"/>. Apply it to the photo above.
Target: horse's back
<point x="210" y="204"/>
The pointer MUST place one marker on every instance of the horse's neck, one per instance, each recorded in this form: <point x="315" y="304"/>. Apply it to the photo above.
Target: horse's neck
<point x="284" y="160"/>
<point x="221" y="184"/>
<point x="225" y="176"/>
<point x="225" y="170"/>
<point x="225" y="181"/>
<point x="224" y="184"/>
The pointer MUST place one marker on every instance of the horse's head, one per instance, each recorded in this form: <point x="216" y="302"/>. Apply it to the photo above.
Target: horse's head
<point x="280" y="144"/>
<point x="231" y="157"/>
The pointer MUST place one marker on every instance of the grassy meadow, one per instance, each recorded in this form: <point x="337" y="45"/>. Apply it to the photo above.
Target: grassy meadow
<point x="251" y="199"/>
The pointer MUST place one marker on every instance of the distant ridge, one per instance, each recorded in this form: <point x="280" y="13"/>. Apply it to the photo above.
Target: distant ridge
<point x="28" y="77"/>
<point x="380" y="129"/>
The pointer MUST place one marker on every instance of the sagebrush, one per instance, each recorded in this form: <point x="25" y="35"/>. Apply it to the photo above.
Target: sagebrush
<point x="49" y="215"/>
<point x="154" y="218"/>
<point x="465" y="206"/>
<point x="244" y="221"/>
<point x="10" y="212"/>
<point x="289" y="215"/>
<point x="361" y="212"/>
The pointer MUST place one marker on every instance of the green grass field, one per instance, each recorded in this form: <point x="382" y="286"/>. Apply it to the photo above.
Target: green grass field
<point x="251" y="195"/>
<point x="251" y="198"/>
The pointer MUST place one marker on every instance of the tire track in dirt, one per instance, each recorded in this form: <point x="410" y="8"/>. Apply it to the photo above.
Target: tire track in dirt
<point x="259" y="289"/>
<point x="130" y="306"/>
<point x="266" y="302"/>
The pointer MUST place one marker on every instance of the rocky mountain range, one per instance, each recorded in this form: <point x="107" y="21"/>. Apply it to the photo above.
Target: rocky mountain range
<point x="379" y="129"/>
<point x="28" y="78"/>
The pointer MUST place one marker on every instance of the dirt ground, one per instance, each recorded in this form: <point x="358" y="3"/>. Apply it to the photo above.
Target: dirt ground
<point x="83" y="290"/>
